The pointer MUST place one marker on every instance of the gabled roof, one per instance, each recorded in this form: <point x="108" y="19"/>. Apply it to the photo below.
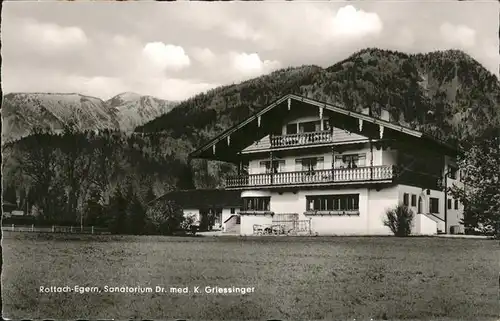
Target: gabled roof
<point x="203" y="198"/>
<point x="326" y="106"/>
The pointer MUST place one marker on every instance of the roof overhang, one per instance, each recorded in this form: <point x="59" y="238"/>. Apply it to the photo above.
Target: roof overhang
<point x="229" y="144"/>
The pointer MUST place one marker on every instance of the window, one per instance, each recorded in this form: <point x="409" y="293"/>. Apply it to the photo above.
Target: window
<point x="326" y="125"/>
<point x="218" y="216"/>
<point x="420" y="204"/>
<point x="291" y="129"/>
<point x="413" y="200"/>
<point x="310" y="127"/>
<point x="449" y="204"/>
<point x="233" y="210"/>
<point x="350" y="161"/>
<point x="256" y="203"/>
<point x="434" y="205"/>
<point x="278" y="166"/>
<point x="309" y="164"/>
<point x="406" y="201"/>
<point x="456" y="204"/>
<point x="348" y="202"/>
<point x="307" y="127"/>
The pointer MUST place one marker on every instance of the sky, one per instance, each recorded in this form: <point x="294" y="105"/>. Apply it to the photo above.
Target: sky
<point x="175" y="50"/>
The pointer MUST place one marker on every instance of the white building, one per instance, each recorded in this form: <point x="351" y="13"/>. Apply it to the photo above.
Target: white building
<point x="212" y="209"/>
<point x="309" y="167"/>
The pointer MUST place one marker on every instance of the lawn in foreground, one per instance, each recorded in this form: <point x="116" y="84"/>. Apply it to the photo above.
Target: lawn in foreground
<point x="294" y="278"/>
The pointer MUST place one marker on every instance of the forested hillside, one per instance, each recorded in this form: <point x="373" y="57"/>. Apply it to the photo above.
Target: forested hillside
<point x="447" y="94"/>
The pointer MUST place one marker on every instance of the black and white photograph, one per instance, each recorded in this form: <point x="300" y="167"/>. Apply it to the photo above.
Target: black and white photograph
<point x="271" y="160"/>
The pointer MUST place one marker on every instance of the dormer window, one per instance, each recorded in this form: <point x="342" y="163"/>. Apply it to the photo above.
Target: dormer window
<point x="310" y="127"/>
<point x="307" y="127"/>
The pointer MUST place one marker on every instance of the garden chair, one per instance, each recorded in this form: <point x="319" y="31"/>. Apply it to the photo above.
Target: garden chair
<point x="258" y="229"/>
<point x="278" y="229"/>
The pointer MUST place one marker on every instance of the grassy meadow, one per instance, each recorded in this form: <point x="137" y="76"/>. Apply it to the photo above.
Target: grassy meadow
<point x="317" y="278"/>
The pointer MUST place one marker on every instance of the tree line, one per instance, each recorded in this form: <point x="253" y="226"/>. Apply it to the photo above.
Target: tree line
<point x="103" y="179"/>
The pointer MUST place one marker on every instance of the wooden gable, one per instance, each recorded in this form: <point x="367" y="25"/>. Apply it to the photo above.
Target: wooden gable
<point x="255" y="130"/>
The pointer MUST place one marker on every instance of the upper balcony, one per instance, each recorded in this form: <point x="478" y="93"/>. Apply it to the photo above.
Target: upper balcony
<point x="305" y="139"/>
<point x="368" y="174"/>
<point x="302" y="139"/>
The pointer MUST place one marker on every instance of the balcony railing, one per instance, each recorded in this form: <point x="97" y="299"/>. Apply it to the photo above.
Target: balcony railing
<point x="324" y="176"/>
<point x="302" y="139"/>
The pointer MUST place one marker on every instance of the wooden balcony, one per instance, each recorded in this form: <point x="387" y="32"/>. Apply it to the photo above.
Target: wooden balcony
<point x="313" y="138"/>
<point x="317" y="177"/>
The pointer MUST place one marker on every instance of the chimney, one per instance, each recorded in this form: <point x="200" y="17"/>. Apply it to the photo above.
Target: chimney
<point x="384" y="115"/>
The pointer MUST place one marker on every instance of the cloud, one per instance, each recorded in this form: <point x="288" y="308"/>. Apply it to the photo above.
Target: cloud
<point x="251" y="64"/>
<point x="179" y="89"/>
<point x="348" y="21"/>
<point x="50" y="36"/>
<point x="203" y="55"/>
<point x="123" y="41"/>
<point x="460" y="35"/>
<point x="241" y="30"/>
<point x="28" y="80"/>
<point x="59" y="49"/>
<point x="404" y="38"/>
<point x="304" y="25"/>
<point x="166" y="57"/>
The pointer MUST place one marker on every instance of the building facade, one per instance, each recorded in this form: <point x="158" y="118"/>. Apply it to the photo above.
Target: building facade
<point x="309" y="167"/>
<point x="211" y="209"/>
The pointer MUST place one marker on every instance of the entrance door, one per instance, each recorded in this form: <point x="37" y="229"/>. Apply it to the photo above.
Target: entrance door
<point x="204" y="220"/>
<point x="210" y="218"/>
<point x="217" y="218"/>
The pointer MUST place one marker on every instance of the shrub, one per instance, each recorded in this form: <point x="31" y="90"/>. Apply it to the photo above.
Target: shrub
<point x="188" y="224"/>
<point x="165" y="217"/>
<point x="399" y="220"/>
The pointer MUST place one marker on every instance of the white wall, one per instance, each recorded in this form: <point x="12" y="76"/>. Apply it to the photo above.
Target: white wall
<point x="248" y="221"/>
<point x="256" y="193"/>
<point x="380" y="157"/>
<point x="424" y="225"/>
<point x="378" y="203"/>
<point x="226" y="213"/>
<point x="453" y="216"/>
<point x="372" y="205"/>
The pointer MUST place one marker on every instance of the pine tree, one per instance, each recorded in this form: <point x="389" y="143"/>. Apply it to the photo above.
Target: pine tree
<point x="9" y="194"/>
<point x="117" y="212"/>
<point x="136" y="215"/>
<point x="94" y="211"/>
<point x="480" y="195"/>
<point x="150" y="195"/>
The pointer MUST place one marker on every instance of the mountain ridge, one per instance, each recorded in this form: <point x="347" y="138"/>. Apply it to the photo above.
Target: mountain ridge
<point x="23" y="112"/>
<point x="436" y="92"/>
